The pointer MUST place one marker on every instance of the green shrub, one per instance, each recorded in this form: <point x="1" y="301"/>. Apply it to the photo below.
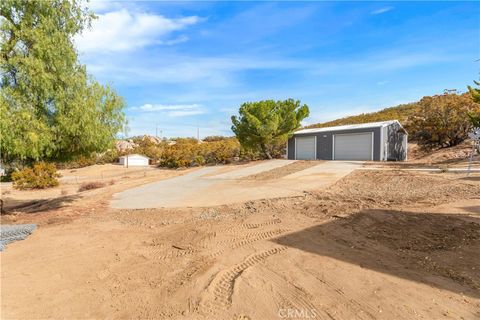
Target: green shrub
<point x="42" y="175"/>
<point x="199" y="160"/>
<point x="108" y="156"/>
<point x="78" y="162"/>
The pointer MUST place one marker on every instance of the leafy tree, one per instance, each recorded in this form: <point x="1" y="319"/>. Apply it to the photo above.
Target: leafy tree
<point x="475" y="93"/>
<point x="443" y="120"/>
<point x="262" y="125"/>
<point x="50" y="108"/>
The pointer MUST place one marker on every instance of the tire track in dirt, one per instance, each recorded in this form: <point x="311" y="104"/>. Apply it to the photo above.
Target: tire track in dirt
<point x="250" y="226"/>
<point x="239" y="242"/>
<point x="250" y="236"/>
<point x="221" y="288"/>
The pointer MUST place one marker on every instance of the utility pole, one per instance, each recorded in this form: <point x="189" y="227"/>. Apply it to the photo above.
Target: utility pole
<point x="198" y="133"/>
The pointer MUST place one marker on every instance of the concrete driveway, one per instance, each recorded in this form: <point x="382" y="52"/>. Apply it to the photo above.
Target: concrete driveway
<point x="211" y="186"/>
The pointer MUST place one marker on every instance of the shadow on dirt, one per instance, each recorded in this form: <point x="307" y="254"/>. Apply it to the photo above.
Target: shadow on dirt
<point x="473" y="209"/>
<point x="476" y="178"/>
<point x="440" y="250"/>
<point x="34" y="206"/>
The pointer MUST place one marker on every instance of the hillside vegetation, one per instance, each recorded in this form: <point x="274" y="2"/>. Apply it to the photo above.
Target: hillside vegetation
<point x="402" y="113"/>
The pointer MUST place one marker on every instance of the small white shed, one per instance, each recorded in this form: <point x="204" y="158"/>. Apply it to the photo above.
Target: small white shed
<point x="133" y="160"/>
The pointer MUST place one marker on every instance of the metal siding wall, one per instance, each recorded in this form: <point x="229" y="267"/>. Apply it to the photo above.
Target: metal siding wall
<point x="396" y="143"/>
<point x="325" y="143"/>
<point x="324" y="146"/>
<point x="376" y="144"/>
<point x="291" y="148"/>
<point x="396" y="150"/>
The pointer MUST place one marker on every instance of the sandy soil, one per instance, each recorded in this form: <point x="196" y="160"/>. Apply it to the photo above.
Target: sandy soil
<point x="283" y="171"/>
<point x="65" y="202"/>
<point x="457" y="156"/>
<point x="376" y="245"/>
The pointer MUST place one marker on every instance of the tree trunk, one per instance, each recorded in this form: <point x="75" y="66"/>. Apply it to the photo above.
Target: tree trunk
<point x="265" y="151"/>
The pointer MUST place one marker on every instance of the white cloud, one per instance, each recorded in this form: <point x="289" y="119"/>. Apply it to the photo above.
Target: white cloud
<point x="122" y="30"/>
<point x="172" y="110"/>
<point x="101" y="5"/>
<point x="180" y="68"/>
<point x="180" y="39"/>
<point x="185" y="113"/>
<point x="381" y="10"/>
<point x="162" y="107"/>
<point x="223" y="71"/>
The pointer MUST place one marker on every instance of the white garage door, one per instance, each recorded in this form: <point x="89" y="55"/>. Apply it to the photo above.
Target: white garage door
<point x="355" y="146"/>
<point x="305" y="148"/>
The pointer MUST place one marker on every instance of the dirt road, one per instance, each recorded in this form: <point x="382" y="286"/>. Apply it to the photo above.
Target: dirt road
<point x="376" y="245"/>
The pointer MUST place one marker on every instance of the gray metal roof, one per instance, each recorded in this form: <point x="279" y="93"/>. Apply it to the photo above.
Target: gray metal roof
<point x="349" y="127"/>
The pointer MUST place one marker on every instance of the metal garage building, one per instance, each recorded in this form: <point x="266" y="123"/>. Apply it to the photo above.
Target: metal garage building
<point x="377" y="141"/>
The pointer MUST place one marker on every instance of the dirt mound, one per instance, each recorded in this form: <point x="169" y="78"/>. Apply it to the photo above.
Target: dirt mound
<point x="451" y="155"/>
<point x="405" y="188"/>
<point x="370" y="189"/>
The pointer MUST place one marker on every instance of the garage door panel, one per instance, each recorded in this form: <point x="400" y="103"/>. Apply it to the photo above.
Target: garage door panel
<point x="305" y="148"/>
<point x="353" y="146"/>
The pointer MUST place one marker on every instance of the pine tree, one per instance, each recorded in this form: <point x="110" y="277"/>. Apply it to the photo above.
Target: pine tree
<point x="264" y="124"/>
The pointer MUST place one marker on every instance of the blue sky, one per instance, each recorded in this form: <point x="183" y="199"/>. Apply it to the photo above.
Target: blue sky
<point x="180" y="65"/>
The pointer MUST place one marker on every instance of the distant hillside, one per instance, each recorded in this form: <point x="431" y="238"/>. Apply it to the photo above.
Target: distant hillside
<point x="401" y="113"/>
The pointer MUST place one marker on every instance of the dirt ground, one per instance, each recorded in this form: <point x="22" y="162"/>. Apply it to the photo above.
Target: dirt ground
<point x="283" y="171"/>
<point x="376" y="245"/>
<point x="452" y="157"/>
<point x="65" y="202"/>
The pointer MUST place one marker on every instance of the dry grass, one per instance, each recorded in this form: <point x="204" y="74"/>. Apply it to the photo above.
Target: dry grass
<point x="278" y="173"/>
<point x="91" y="185"/>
